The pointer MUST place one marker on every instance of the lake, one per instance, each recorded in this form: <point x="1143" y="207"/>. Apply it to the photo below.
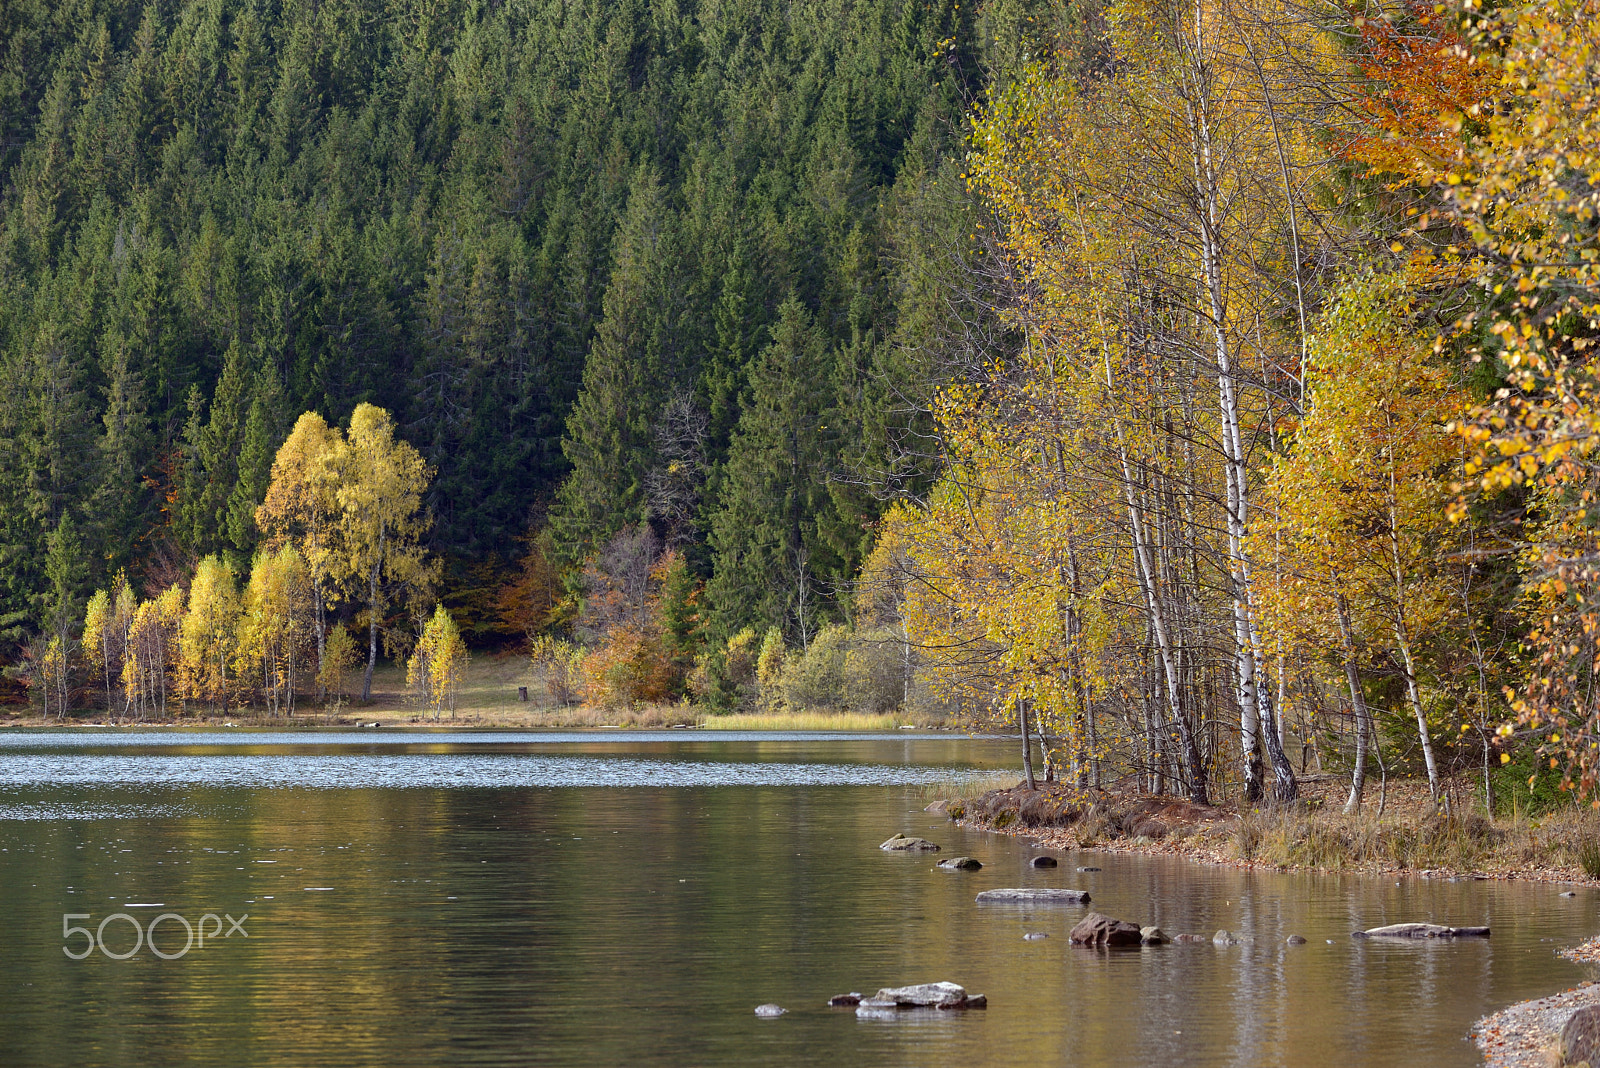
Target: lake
<point x="609" y="898"/>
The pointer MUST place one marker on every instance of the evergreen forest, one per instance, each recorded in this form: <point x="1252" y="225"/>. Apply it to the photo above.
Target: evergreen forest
<point x="1202" y="388"/>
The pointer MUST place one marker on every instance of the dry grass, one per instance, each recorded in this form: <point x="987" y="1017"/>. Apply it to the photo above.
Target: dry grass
<point x="1412" y="835"/>
<point x="808" y="721"/>
<point x="489" y="699"/>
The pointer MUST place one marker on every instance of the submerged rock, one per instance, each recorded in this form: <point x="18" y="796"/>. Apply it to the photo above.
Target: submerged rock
<point x="770" y="1010"/>
<point x="961" y="864"/>
<point x="923" y="996"/>
<point x="902" y="844"/>
<point x="1033" y="896"/>
<point x="1421" y="930"/>
<point x="1042" y="862"/>
<point x="1225" y="938"/>
<point x="1153" y="936"/>
<point x="1189" y="938"/>
<point x="1294" y="940"/>
<point x="1096" y="929"/>
<point x="839" y="1000"/>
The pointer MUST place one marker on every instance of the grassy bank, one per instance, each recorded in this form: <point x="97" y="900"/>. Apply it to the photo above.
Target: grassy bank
<point x="490" y="698"/>
<point x="1413" y="835"/>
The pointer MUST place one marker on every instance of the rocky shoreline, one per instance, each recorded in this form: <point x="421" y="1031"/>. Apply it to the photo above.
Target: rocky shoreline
<point x="1524" y="1035"/>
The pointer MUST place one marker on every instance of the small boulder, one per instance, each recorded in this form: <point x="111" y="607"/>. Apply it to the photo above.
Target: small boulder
<point x="1097" y="929"/>
<point x="1088" y="869"/>
<point x="924" y="996"/>
<point x="1224" y="938"/>
<point x="769" y="1010"/>
<point x="902" y="844"/>
<point x="841" y="1000"/>
<point x="1034" y="936"/>
<point x="1294" y="940"/>
<point x="1580" y="1038"/>
<point x="1189" y="939"/>
<point x="1152" y="936"/>
<point x="1033" y="896"/>
<point x="1042" y="862"/>
<point x="1421" y="930"/>
<point x="961" y="864"/>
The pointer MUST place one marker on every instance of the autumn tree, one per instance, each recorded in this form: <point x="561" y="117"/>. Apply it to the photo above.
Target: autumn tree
<point x="380" y="522"/>
<point x="436" y="667"/>
<point x="301" y="508"/>
<point x="209" y="633"/>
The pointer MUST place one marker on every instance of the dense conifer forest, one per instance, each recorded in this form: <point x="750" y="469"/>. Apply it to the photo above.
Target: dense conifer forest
<point x="604" y="262"/>
<point x="1203" y="388"/>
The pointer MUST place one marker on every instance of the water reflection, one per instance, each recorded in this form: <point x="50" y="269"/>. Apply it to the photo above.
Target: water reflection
<point x="464" y="922"/>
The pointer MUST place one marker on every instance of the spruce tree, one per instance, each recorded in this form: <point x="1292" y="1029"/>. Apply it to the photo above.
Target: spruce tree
<point x="766" y="553"/>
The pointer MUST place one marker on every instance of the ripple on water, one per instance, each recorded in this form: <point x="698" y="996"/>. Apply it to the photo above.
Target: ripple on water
<point x="365" y="771"/>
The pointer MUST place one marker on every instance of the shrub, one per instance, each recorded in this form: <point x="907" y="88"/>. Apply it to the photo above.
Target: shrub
<point x="816" y="678"/>
<point x="631" y="666"/>
<point x="874" y="672"/>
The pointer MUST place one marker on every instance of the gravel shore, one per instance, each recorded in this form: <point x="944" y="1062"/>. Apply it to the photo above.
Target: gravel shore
<point x="1526" y="1035"/>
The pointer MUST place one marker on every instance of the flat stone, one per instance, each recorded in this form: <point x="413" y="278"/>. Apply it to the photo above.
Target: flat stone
<point x="1294" y="940"/>
<point x="1042" y="862"/>
<point x="852" y="998"/>
<point x="925" y="996"/>
<point x="1033" y="896"/>
<point x="961" y="864"/>
<point x="1097" y="929"/>
<point x="1189" y="939"/>
<point x="1422" y="930"/>
<point x="1153" y="936"/>
<point x="770" y="1010"/>
<point x="902" y="844"/>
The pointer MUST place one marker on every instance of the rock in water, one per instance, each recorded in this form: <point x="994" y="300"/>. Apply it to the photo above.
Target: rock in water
<point x="1225" y="938"/>
<point x="1096" y="929"/>
<point x="1033" y="896"/>
<point x="938" y="806"/>
<point x="960" y="864"/>
<point x="901" y="844"/>
<point x="1295" y="940"/>
<point x="1580" y="1038"/>
<point x="838" y="1000"/>
<point x="1189" y="938"/>
<point x="1422" y="930"/>
<point x="1153" y="936"/>
<point x="1088" y="869"/>
<point x="770" y="1010"/>
<point x="1042" y="862"/>
<point x="925" y="996"/>
<point x="1034" y="936"/>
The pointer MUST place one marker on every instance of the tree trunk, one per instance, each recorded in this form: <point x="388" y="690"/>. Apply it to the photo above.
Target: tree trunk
<point x="1027" y="743"/>
<point x="372" y="633"/>
<point x="1358" y="706"/>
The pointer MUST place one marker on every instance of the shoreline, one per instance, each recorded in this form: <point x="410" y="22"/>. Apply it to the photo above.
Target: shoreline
<point x="1525" y="1034"/>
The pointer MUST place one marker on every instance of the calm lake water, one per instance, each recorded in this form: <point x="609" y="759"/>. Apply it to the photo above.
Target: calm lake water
<point x="609" y="899"/>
